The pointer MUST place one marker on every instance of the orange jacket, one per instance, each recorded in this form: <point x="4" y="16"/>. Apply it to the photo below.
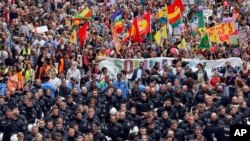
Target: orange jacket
<point x="44" y="71"/>
<point x="61" y="65"/>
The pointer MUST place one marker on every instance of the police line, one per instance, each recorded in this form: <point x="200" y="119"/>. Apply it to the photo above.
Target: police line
<point x="115" y="65"/>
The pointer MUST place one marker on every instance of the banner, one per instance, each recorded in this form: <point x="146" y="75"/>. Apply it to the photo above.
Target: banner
<point x="221" y="32"/>
<point x="213" y="36"/>
<point x="116" y="65"/>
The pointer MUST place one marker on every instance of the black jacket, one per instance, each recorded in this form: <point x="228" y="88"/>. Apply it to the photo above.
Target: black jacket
<point x="30" y="113"/>
<point x="135" y="119"/>
<point x="222" y="133"/>
<point x="156" y="100"/>
<point x="77" y="98"/>
<point x="181" y="110"/>
<point x="144" y="106"/>
<point x="99" y="137"/>
<point x="211" y="127"/>
<point x="84" y="125"/>
<point x="180" y="134"/>
<point x="172" y="112"/>
<point x="10" y="127"/>
<point x="64" y="91"/>
<point x="114" y="130"/>
<point x="189" y="128"/>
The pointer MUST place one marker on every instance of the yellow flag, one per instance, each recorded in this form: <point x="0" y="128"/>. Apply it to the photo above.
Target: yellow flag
<point x="73" y="37"/>
<point x="162" y="12"/>
<point x="161" y="34"/>
<point x="158" y="37"/>
<point x="182" y="44"/>
<point x="213" y="35"/>
<point x="163" y="31"/>
<point x="202" y="31"/>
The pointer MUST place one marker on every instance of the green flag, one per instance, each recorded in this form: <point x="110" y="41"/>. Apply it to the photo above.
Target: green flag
<point x="204" y="42"/>
<point x="176" y="24"/>
<point x="201" y="22"/>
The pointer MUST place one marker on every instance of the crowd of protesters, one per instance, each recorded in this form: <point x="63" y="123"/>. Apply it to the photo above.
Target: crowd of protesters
<point x="52" y="90"/>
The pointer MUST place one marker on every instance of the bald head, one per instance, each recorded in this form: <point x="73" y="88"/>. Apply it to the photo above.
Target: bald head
<point x="178" y="69"/>
<point x="214" y="117"/>
<point x="147" y="89"/>
<point x="245" y="88"/>
<point x="185" y="88"/>
<point x="153" y="91"/>
<point x="84" y="89"/>
<point x="119" y="92"/>
<point x="122" y="115"/>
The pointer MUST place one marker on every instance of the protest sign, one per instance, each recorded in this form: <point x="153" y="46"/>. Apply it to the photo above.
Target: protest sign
<point x="243" y="39"/>
<point x="234" y="41"/>
<point x="242" y="35"/>
<point x="116" y="65"/>
<point x="207" y="13"/>
<point x="41" y="29"/>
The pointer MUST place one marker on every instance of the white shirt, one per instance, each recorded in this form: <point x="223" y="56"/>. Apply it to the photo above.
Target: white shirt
<point x="73" y="73"/>
<point x="18" y="48"/>
<point x="201" y="77"/>
<point x="56" y="82"/>
<point x="139" y="74"/>
<point x="41" y="42"/>
<point x="3" y="55"/>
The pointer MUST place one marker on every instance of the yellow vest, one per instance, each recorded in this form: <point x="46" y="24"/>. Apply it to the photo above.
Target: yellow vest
<point x="6" y="71"/>
<point x="28" y="75"/>
<point x="26" y="52"/>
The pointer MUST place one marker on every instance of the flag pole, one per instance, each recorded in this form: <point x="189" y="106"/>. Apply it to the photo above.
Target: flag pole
<point x="241" y="54"/>
<point x="190" y="43"/>
<point x="150" y="31"/>
<point x="183" y="34"/>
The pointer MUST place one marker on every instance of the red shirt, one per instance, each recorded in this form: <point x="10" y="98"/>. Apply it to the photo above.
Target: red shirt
<point x="214" y="80"/>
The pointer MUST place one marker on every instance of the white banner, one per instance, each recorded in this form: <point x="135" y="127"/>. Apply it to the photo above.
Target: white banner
<point x="116" y="65"/>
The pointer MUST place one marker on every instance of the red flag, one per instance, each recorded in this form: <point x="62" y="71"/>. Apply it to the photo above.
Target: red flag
<point x="145" y="24"/>
<point x="177" y="3"/>
<point x="82" y="33"/>
<point x="174" y="11"/>
<point x="134" y="31"/>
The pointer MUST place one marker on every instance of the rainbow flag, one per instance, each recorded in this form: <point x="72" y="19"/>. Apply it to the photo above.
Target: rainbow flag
<point x="85" y="14"/>
<point x="116" y="19"/>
